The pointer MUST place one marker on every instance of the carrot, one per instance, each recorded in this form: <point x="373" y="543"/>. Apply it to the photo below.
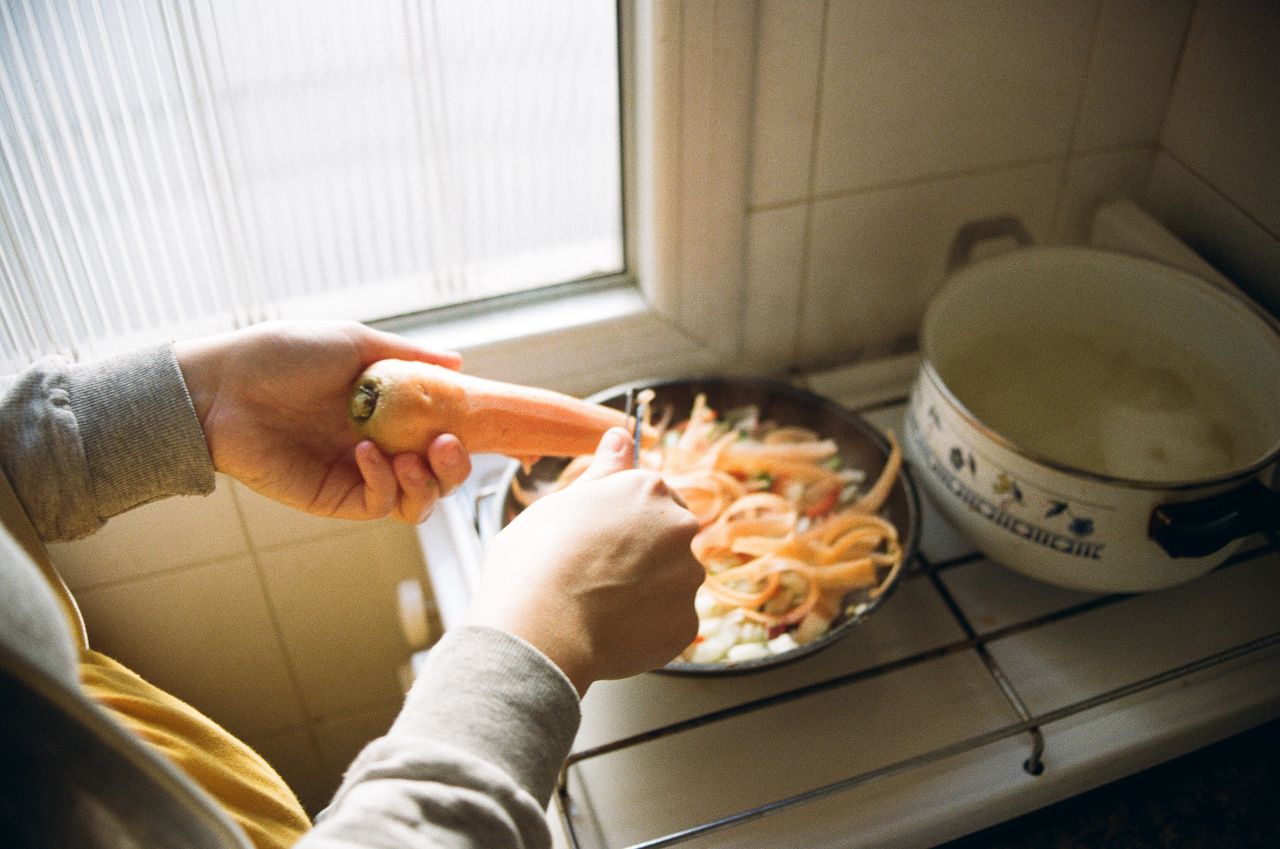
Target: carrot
<point x="716" y="586"/>
<point x="875" y="497"/>
<point x="846" y="574"/>
<point x="796" y="612"/>
<point x="403" y="405"/>
<point x="810" y="451"/>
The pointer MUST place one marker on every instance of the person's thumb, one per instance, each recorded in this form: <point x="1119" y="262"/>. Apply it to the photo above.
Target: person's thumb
<point x="613" y="454"/>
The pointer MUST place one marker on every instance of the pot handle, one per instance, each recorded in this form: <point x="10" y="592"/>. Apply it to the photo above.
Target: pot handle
<point x="974" y="232"/>
<point x="1199" y="528"/>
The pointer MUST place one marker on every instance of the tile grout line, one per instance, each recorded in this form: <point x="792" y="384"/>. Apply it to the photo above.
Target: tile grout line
<point x="948" y="175"/>
<point x="247" y="551"/>
<point x="290" y="668"/>
<point x="1055" y="219"/>
<point x="1217" y="192"/>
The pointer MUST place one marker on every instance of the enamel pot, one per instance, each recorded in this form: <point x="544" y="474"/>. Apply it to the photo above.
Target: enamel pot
<point x="1096" y="420"/>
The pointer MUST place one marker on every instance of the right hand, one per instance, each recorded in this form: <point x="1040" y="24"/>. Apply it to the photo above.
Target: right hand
<point x="599" y="577"/>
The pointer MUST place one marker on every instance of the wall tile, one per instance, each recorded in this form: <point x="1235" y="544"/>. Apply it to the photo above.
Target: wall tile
<point x="153" y="538"/>
<point x="786" y="99"/>
<point x="1093" y="179"/>
<point x="270" y="523"/>
<point x="1135" y="52"/>
<point x="877" y="257"/>
<point x="775" y="259"/>
<point x="913" y="89"/>
<point x="342" y="736"/>
<point x="295" y="756"/>
<point x="204" y="634"/>
<point x="1217" y="229"/>
<point x="1224" y="114"/>
<point x="335" y="600"/>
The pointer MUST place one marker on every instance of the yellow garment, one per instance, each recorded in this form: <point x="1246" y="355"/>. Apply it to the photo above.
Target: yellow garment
<point x="237" y="777"/>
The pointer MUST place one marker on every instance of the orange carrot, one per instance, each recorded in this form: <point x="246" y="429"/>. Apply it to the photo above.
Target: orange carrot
<point x="716" y="586"/>
<point x="875" y="497"/>
<point x="846" y="574"/>
<point x="403" y="405"/>
<point x="795" y="613"/>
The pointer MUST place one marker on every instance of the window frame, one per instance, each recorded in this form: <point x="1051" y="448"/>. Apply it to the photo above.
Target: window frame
<point x="687" y="74"/>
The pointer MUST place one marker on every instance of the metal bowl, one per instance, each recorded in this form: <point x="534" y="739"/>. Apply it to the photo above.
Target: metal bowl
<point x="860" y="445"/>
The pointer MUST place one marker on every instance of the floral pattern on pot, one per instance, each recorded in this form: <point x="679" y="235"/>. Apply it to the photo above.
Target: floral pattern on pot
<point x="997" y="495"/>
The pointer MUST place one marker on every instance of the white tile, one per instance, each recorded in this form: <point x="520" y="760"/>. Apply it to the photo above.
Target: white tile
<point x="1094" y="179"/>
<point x="877" y="257"/>
<point x="735" y="764"/>
<point x="912" y="619"/>
<point x="1135" y="52"/>
<point x="270" y="523"/>
<point x="1224" y="114"/>
<point x="940" y="542"/>
<point x="994" y="597"/>
<point x="775" y="257"/>
<point x="914" y="89"/>
<point x="294" y="755"/>
<point x="336" y="602"/>
<point x="786" y="99"/>
<point x="868" y="384"/>
<point x="155" y="537"/>
<point x="342" y="736"/>
<point x="886" y="419"/>
<point x="1094" y="652"/>
<point x="203" y="634"/>
<point x="1217" y="229"/>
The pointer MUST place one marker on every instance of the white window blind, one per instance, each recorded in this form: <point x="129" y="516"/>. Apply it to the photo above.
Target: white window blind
<point x="173" y="167"/>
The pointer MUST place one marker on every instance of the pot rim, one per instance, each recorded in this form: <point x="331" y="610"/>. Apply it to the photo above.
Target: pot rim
<point x="1181" y="277"/>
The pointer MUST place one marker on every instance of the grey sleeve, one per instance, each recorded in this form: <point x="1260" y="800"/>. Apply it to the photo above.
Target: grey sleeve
<point x="472" y="759"/>
<point x="82" y="443"/>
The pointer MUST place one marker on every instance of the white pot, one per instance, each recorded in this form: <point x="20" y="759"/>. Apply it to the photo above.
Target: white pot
<point x="1096" y="420"/>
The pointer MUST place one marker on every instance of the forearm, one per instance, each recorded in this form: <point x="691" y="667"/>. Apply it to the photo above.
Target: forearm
<point x="472" y="759"/>
<point x="82" y="443"/>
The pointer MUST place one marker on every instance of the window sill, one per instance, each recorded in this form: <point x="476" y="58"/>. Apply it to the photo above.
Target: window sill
<point x="578" y="342"/>
<point x="469" y="329"/>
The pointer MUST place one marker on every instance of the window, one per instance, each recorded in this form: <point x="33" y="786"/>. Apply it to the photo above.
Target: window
<point x="184" y="166"/>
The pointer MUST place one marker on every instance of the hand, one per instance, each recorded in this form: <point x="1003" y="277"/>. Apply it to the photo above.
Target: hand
<point x="599" y="576"/>
<point x="272" y="400"/>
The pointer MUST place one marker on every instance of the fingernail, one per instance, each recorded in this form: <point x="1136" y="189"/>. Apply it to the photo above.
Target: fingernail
<point x="614" y="441"/>
<point x="452" y="451"/>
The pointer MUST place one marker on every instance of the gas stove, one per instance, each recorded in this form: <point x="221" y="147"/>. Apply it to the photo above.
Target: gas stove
<point x="971" y="696"/>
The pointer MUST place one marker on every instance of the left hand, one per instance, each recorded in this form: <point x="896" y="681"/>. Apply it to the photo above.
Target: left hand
<point x="272" y="400"/>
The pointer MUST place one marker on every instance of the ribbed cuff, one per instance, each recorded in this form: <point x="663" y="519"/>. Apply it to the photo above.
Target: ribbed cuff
<point x="498" y="697"/>
<point x="141" y="438"/>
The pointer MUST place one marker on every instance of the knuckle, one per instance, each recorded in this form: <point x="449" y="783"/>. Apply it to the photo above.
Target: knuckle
<point x="651" y="483"/>
<point x="690" y="629"/>
<point x="696" y="576"/>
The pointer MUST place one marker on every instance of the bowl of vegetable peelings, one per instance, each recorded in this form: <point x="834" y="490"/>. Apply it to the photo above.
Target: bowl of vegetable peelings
<point x="807" y="515"/>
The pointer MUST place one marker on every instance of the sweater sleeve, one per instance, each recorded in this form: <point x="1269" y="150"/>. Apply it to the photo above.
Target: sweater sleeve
<point x="83" y="443"/>
<point x="472" y="759"/>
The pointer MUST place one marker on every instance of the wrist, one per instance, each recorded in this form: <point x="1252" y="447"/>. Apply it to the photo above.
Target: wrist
<point x="196" y="362"/>
<point x="562" y="647"/>
<point x="567" y="661"/>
